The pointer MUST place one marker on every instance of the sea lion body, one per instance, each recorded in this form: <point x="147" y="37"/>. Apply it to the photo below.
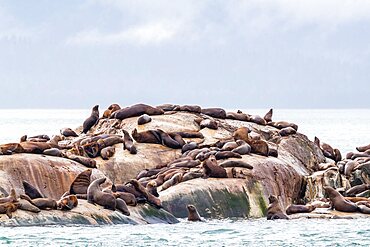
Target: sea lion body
<point x="257" y="119"/>
<point x="129" y="143"/>
<point x="149" y="136"/>
<point x="8" y="208"/>
<point x="67" y="202"/>
<point x="191" y="175"/>
<point x="53" y="152"/>
<point x="339" y="202"/>
<point x="67" y="132"/>
<point x="92" y="120"/>
<point x="137" y="110"/>
<point x="12" y="197"/>
<point x="189" y="108"/>
<point x="214" y="112"/>
<point x="242" y="134"/>
<point x="189" y="146"/>
<point x="193" y="214"/>
<point x="107" y="152"/>
<point x="212" y="169"/>
<point x="236" y="163"/>
<point x="28" y="206"/>
<point x="176" y="178"/>
<point x="31" y="191"/>
<point x="287" y="131"/>
<point x="226" y="155"/>
<point x="129" y="198"/>
<point x="90" y="163"/>
<point x="95" y="195"/>
<point x="242" y="149"/>
<point x="81" y="183"/>
<point x="357" y="189"/>
<point x="111" y="109"/>
<point x="167" y="140"/>
<point x="268" y="116"/>
<point x="45" y="203"/>
<point x="143" y="119"/>
<point x="228" y="146"/>
<point x="122" y="206"/>
<point x="274" y="210"/>
<point x="294" y="209"/>
<point x="237" y="116"/>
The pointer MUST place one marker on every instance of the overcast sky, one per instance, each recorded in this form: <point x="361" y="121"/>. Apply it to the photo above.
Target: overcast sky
<point x="234" y="54"/>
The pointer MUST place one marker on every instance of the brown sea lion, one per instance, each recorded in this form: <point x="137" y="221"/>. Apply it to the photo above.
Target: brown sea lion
<point x="257" y="119"/>
<point x="9" y="148"/>
<point x="238" y="116"/>
<point x="167" y="107"/>
<point x="364" y="209"/>
<point x="338" y="202"/>
<point x="268" y="116"/>
<point x="45" y="203"/>
<point x="149" y="197"/>
<point x="189" y="146"/>
<point x="235" y="163"/>
<point x="90" y="163"/>
<point x="283" y="124"/>
<point x="177" y="138"/>
<point x="95" y="195"/>
<point x="12" y="197"/>
<point x="212" y="169"/>
<point x="287" y="131"/>
<point x="243" y="149"/>
<point x="143" y="119"/>
<point x="214" y="112"/>
<point x="107" y="152"/>
<point x="260" y="147"/>
<point x="228" y="146"/>
<point x="129" y="143"/>
<point x="67" y="132"/>
<point x="8" y="208"/>
<point x="122" y="206"/>
<point x="111" y="109"/>
<point x="36" y="147"/>
<point x="337" y="155"/>
<point x="92" y="120"/>
<point x="67" y="202"/>
<point x="27" y="205"/>
<point x="129" y="198"/>
<point x="173" y="181"/>
<point x="241" y="134"/>
<point x="357" y="199"/>
<point x="189" y="108"/>
<point x="109" y="140"/>
<point x="205" y="155"/>
<point x="357" y="189"/>
<point x="152" y="188"/>
<point x="193" y="214"/>
<point x="31" y="191"/>
<point x="53" y="152"/>
<point x="294" y="209"/>
<point x="191" y="175"/>
<point x="350" y="165"/>
<point x="363" y="148"/>
<point x="189" y="134"/>
<point x="159" y="179"/>
<point x="186" y="163"/>
<point x="136" y="110"/>
<point x="81" y="183"/>
<point x="167" y="140"/>
<point x="149" y="136"/>
<point x="274" y="211"/>
<point x="226" y="155"/>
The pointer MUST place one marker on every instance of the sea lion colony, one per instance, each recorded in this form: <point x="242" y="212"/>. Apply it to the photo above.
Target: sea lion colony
<point x="198" y="160"/>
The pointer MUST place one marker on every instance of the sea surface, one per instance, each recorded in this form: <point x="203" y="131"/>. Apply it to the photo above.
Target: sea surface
<point x="343" y="129"/>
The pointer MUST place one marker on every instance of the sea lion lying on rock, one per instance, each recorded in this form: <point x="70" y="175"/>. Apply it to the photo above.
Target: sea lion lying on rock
<point x="8" y="208"/>
<point x="96" y="195"/>
<point x="143" y="119"/>
<point x="294" y="209"/>
<point x="212" y="169"/>
<point x="135" y="111"/>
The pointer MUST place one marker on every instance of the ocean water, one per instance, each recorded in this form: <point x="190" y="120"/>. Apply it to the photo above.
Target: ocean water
<point x="343" y="129"/>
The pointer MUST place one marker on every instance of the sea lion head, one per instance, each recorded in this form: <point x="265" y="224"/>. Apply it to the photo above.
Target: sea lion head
<point x="191" y="208"/>
<point x="96" y="108"/>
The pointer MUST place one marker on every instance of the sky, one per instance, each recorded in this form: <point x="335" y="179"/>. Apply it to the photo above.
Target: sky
<point x="232" y="54"/>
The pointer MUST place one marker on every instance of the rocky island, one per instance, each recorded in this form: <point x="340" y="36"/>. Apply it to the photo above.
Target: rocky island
<point x="142" y="164"/>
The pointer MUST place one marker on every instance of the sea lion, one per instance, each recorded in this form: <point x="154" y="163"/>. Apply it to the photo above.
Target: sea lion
<point x="149" y="136"/>
<point x="177" y="138"/>
<point x="152" y="188"/>
<point x="81" y="183"/>
<point x="167" y="140"/>
<point x="111" y="109"/>
<point x="90" y="163"/>
<point x="238" y="116"/>
<point x="186" y="163"/>
<point x="167" y="107"/>
<point x="45" y="203"/>
<point x="173" y="181"/>
<point x="149" y="197"/>
<point x="236" y="163"/>
<point x="206" y="154"/>
<point x="26" y="205"/>
<point x="189" y="146"/>
<point x="242" y="149"/>
<point x="122" y="206"/>
<point x="129" y="143"/>
<point x="137" y="110"/>
<point x="107" y="152"/>
<point x="143" y="119"/>
<point x="31" y="191"/>
<point x="357" y="189"/>
<point x="189" y="134"/>
<point x="363" y="148"/>
<point x="53" y="152"/>
<point x="129" y="198"/>
<point x="274" y="211"/>
<point x="36" y="147"/>
<point x="189" y="108"/>
<point x="8" y="208"/>
<point x="9" y="148"/>
<point x="348" y="168"/>
<point x="214" y="112"/>
<point x="338" y="202"/>
<point x="191" y="175"/>
<point x="260" y="147"/>
<point x="95" y="195"/>
<point x="228" y="146"/>
<point x="12" y="197"/>
<point x="226" y="155"/>
<point x="287" y="131"/>
<point x="212" y="169"/>
<point x="193" y="214"/>
<point x="67" y="202"/>
<point x="67" y="132"/>
<point x="294" y="209"/>
<point x="242" y="134"/>
<point x="364" y="209"/>
<point x="92" y="120"/>
<point x="283" y="124"/>
<point x="257" y="119"/>
<point x="337" y="155"/>
<point x="268" y="116"/>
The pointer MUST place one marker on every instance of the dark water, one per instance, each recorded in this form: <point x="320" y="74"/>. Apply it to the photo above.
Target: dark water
<point x="302" y="232"/>
<point x="343" y="129"/>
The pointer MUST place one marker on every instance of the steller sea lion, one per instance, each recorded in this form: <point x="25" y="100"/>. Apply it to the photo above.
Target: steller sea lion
<point x="189" y="146"/>
<point x="236" y="163"/>
<point x="107" y="152"/>
<point x="214" y="112"/>
<point x="242" y="134"/>
<point x="95" y="195"/>
<point x="92" y="120"/>
<point x="67" y="202"/>
<point x="337" y="155"/>
<point x="243" y="148"/>
<point x="274" y="211"/>
<point x="8" y="208"/>
<point x="176" y="178"/>
<point x="167" y="140"/>
<point x="45" y="203"/>
<point x="212" y="169"/>
<point x="129" y="198"/>
<point x="91" y="163"/>
<point x="191" y="175"/>
<point x="9" y="148"/>
<point x="111" y="109"/>
<point x="189" y="134"/>
<point x="12" y="197"/>
<point x="268" y="116"/>
<point x="129" y="143"/>
<point x="228" y="146"/>
<point x="193" y="214"/>
<point x="189" y="108"/>
<point x="348" y="168"/>
<point x="363" y="148"/>
<point x="122" y="206"/>
<point x="149" y="197"/>
<point x="177" y="138"/>
<point x="260" y="147"/>
<point x="26" y="205"/>
<point x="168" y="107"/>
<point x="186" y="163"/>
<point x="338" y="202"/>
<point x="287" y="131"/>
<point x="152" y="188"/>
<point x="283" y="124"/>
<point x="226" y="155"/>
<point x="294" y="209"/>
<point x="136" y="110"/>
<point x="238" y="116"/>
<point x="357" y="189"/>
<point x="31" y="191"/>
<point x="67" y="132"/>
<point x="149" y="136"/>
<point x="143" y="119"/>
<point x="257" y="119"/>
